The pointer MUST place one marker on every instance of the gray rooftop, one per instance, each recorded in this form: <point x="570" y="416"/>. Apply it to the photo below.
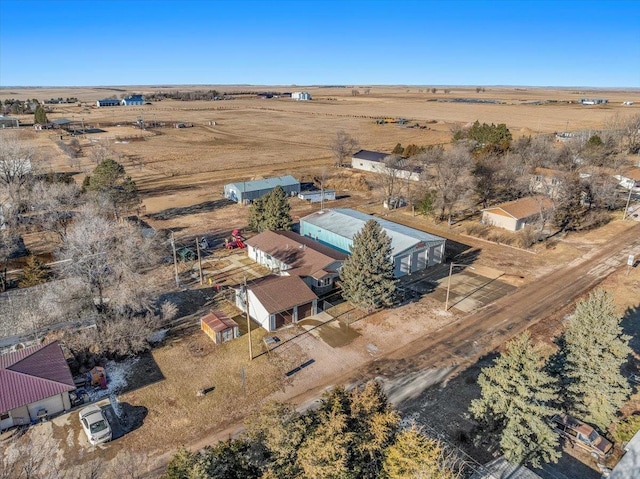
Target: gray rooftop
<point x="629" y="465"/>
<point x="500" y="468"/>
<point x="267" y="183"/>
<point x="370" y="155"/>
<point x="346" y="223"/>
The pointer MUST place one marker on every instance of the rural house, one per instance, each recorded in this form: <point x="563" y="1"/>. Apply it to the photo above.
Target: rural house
<point x="411" y="250"/>
<point x="514" y="215"/>
<point x="35" y="384"/>
<point x="132" y="100"/>
<point x="108" y="102"/>
<point x="546" y="181"/>
<point x="219" y="327"/>
<point x="374" y="161"/>
<point x="288" y="253"/>
<point x="277" y="300"/>
<point x="248" y="191"/>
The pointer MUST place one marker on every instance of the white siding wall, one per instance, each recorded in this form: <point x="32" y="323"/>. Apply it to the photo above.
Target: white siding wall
<point x="499" y="221"/>
<point x="53" y="405"/>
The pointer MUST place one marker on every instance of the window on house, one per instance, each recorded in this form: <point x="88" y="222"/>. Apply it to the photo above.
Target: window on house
<point x="4" y="415"/>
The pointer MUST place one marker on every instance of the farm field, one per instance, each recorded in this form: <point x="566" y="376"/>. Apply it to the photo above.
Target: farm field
<point x="180" y="173"/>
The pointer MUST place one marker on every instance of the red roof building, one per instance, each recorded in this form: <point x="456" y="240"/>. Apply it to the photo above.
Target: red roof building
<point x="219" y="327"/>
<point x="34" y="384"/>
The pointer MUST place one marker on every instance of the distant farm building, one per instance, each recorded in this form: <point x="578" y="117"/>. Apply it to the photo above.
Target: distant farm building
<point x="277" y="300"/>
<point x="515" y="215"/>
<point x="411" y="250"/>
<point x="133" y="100"/>
<point x="374" y="161"/>
<point x="108" y="102"/>
<point x="289" y="254"/>
<point x="219" y="327"/>
<point x="248" y="191"/>
<point x="316" y="196"/>
<point x="301" y="95"/>
<point x="593" y="101"/>
<point x="8" y="122"/>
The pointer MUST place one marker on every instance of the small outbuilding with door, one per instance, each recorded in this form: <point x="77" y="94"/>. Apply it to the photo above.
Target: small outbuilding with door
<point x="411" y="249"/>
<point x="34" y="384"/>
<point x="219" y="327"/>
<point x="277" y="300"/>
<point x="247" y="191"/>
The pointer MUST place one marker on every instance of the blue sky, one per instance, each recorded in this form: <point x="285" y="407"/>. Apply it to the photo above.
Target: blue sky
<point x="155" y="42"/>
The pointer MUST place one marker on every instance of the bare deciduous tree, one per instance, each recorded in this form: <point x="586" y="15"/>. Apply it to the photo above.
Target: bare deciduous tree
<point x="109" y="261"/>
<point x="54" y="205"/>
<point x="627" y="131"/>
<point x="343" y="146"/>
<point x="391" y="175"/>
<point x="448" y="173"/>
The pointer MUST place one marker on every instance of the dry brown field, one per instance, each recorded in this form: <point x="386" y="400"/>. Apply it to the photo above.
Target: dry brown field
<point x="255" y="138"/>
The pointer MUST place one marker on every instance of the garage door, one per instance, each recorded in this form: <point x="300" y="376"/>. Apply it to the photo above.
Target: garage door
<point x="305" y="310"/>
<point x="285" y="317"/>
<point x="419" y="260"/>
<point x="405" y="265"/>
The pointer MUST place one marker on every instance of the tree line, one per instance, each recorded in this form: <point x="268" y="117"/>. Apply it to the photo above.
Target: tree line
<point x="524" y="387"/>
<point x="485" y="166"/>
<point x="106" y="274"/>
<point x="351" y="434"/>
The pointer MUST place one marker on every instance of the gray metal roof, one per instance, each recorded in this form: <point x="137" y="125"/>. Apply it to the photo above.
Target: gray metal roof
<point x="346" y="223"/>
<point x="500" y="468"/>
<point x="370" y="155"/>
<point x="61" y="121"/>
<point x="256" y="185"/>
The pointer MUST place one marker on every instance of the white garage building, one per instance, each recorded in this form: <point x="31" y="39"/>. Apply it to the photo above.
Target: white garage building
<point x="411" y="250"/>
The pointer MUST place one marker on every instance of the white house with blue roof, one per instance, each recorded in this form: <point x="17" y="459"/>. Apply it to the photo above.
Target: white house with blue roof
<point x="248" y="191"/>
<point x="411" y="250"/>
<point x="133" y="100"/>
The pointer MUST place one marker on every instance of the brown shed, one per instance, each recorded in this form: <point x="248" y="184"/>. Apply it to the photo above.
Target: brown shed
<point x="219" y="327"/>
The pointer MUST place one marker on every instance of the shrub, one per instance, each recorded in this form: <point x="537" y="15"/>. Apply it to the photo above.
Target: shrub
<point x="528" y="236"/>
<point x="625" y="429"/>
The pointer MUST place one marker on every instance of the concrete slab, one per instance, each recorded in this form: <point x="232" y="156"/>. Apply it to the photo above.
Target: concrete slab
<point x="469" y="290"/>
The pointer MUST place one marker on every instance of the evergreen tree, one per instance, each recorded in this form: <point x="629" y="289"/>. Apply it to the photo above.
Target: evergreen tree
<point x="414" y="456"/>
<point x="516" y="394"/>
<point x="271" y="212"/>
<point x="109" y="179"/>
<point x="40" y="115"/>
<point x="367" y="274"/>
<point x="595" y="350"/>
<point x="34" y="272"/>
<point x="181" y="464"/>
<point x="398" y="149"/>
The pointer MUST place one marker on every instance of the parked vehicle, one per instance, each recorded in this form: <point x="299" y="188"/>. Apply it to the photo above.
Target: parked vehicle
<point x="95" y="425"/>
<point x="582" y="435"/>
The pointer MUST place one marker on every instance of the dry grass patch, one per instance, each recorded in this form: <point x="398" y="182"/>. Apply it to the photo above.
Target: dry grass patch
<point x="176" y="415"/>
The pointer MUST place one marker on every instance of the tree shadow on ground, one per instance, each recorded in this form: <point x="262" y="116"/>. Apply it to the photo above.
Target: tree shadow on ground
<point x="207" y="206"/>
<point x="631" y="326"/>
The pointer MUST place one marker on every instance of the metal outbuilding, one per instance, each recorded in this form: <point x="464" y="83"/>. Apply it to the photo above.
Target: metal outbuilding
<point x="411" y="250"/>
<point x="247" y="191"/>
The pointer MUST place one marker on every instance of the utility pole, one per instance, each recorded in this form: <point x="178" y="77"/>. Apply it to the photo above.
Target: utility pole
<point x="175" y="259"/>
<point x="626" y="208"/>
<point x="246" y="305"/>
<point x="199" y="258"/>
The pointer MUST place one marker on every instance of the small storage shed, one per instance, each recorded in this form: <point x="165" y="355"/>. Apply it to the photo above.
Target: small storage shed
<point x="247" y="191"/>
<point x="316" y="196"/>
<point x="219" y="327"/>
